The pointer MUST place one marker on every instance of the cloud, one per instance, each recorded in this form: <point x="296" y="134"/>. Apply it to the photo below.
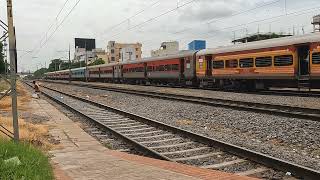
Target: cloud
<point x="205" y="11"/>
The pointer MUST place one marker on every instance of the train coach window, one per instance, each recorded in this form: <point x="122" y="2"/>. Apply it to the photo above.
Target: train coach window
<point x="168" y="67"/>
<point x="232" y="63"/>
<point x="150" y="68"/>
<point x="175" y="67"/>
<point x="316" y="58"/>
<point x="161" y="68"/>
<point x="286" y="60"/>
<point x="263" y="61"/>
<point x="246" y="63"/>
<point x="218" y="64"/>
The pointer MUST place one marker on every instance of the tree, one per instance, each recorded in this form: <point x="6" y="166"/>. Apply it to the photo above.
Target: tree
<point x="54" y="65"/>
<point x="97" y="62"/>
<point x="2" y="63"/>
<point x="259" y="37"/>
<point x="39" y="73"/>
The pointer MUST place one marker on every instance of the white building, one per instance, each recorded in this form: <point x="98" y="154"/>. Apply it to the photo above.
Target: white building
<point x="166" y="48"/>
<point x="81" y="54"/>
<point x="128" y="54"/>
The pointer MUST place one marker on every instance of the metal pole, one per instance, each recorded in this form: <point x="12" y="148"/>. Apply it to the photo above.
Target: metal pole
<point x="69" y="64"/>
<point x="86" y="61"/>
<point x="12" y="52"/>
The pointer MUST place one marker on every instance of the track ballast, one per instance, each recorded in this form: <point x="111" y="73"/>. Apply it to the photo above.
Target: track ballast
<point x="166" y="142"/>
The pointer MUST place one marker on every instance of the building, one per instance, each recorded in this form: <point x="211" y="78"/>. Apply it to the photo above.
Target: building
<point x="127" y="54"/>
<point x="99" y="53"/>
<point x="197" y="45"/>
<point x="90" y="56"/>
<point x="316" y="23"/>
<point x="81" y="54"/>
<point x="166" y="48"/>
<point x="114" y="51"/>
<point x="84" y="50"/>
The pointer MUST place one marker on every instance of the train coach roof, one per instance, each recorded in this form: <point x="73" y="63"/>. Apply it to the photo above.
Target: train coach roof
<point x="181" y="54"/>
<point x="286" y="41"/>
<point x="67" y="70"/>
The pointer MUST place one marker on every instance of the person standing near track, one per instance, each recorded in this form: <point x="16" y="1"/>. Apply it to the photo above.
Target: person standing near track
<point x="36" y="90"/>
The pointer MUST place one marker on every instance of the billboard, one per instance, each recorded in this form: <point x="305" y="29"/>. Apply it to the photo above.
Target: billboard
<point x="88" y="44"/>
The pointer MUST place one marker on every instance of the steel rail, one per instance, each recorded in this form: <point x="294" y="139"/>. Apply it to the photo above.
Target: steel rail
<point x="139" y="146"/>
<point x="280" y="110"/>
<point x="269" y="161"/>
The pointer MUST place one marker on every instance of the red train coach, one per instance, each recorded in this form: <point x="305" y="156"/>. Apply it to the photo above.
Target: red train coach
<point x="173" y="69"/>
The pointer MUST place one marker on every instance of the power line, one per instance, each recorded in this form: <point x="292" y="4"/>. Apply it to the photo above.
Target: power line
<point x="296" y="13"/>
<point x="55" y="20"/>
<point x="64" y="5"/>
<point x="57" y="28"/>
<point x="50" y="27"/>
<point x="156" y="17"/>
<point x="235" y="14"/>
<point x="136" y="14"/>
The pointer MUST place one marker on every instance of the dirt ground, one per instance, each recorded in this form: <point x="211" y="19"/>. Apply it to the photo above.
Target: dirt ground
<point x="33" y="130"/>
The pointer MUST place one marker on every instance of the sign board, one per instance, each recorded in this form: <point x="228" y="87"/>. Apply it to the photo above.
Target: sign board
<point x="88" y="44"/>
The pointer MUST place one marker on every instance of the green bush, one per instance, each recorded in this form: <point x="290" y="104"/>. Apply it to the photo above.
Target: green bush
<point x="34" y="164"/>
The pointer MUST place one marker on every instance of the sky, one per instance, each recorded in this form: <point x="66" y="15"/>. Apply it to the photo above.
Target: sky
<point x="44" y="29"/>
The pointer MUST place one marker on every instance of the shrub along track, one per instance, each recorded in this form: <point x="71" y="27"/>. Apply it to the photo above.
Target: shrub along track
<point x="166" y="142"/>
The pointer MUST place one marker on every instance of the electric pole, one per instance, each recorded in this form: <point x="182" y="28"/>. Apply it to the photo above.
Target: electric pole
<point x="12" y="53"/>
<point x="86" y="61"/>
<point x="69" y="65"/>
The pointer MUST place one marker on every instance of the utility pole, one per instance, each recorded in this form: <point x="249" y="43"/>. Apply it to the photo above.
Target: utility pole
<point x="86" y="61"/>
<point x="69" y="65"/>
<point x="12" y="52"/>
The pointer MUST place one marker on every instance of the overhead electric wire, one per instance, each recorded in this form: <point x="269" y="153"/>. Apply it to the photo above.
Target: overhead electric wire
<point x="235" y="14"/>
<point x="50" y="27"/>
<point x="54" y="22"/>
<point x="296" y="13"/>
<point x="58" y="26"/>
<point x="136" y="14"/>
<point x="156" y="17"/>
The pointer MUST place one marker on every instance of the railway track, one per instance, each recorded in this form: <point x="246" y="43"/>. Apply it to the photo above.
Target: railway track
<point x="169" y="143"/>
<point x="280" y="110"/>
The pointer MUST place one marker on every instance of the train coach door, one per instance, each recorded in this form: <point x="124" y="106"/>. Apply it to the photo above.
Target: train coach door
<point x="181" y="69"/>
<point x="209" y="65"/>
<point x="304" y="60"/>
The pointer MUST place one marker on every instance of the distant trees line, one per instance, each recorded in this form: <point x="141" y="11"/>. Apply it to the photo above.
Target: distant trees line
<point x="58" y="65"/>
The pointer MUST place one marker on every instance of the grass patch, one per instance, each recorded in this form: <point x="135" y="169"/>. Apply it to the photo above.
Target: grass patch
<point x="4" y="85"/>
<point x="34" y="164"/>
<point x="23" y="98"/>
<point x="35" y="134"/>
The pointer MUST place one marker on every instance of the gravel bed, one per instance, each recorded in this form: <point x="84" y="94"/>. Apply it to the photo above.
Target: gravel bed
<point x="151" y="134"/>
<point x="308" y="102"/>
<point x="211" y="160"/>
<point x="236" y="168"/>
<point x="115" y="144"/>
<point x="141" y="139"/>
<point x="180" y="148"/>
<point x="165" y="143"/>
<point x="272" y="174"/>
<point x="291" y="139"/>
<point x="193" y="153"/>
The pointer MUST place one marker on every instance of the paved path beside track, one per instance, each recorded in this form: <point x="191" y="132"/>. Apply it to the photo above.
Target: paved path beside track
<point x="80" y="156"/>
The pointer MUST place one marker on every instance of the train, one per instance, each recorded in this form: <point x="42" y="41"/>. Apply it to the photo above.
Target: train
<point x="289" y="62"/>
